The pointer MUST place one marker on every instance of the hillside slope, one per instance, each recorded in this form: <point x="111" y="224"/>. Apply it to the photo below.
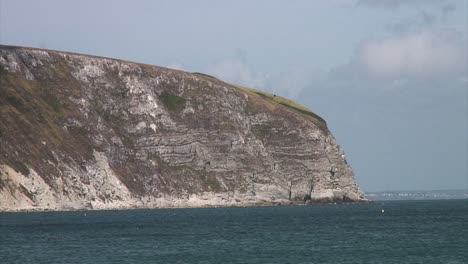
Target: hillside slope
<point x="85" y="132"/>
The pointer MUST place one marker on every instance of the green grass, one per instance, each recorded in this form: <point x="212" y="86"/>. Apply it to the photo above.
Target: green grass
<point x="204" y="75"/>
<point x="319" y="121"/>
<point x="287" y="103"/>
<point x="54" y="103"/>
<point x="19" y="167"/>
<point x="172" y="102"/>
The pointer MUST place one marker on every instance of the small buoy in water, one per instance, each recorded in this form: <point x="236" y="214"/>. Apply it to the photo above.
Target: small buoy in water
<point x="84" y="214"/>
<point x="383" y="211"/>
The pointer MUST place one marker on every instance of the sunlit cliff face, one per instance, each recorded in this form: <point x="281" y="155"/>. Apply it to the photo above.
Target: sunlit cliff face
<point x="80" y="131"/>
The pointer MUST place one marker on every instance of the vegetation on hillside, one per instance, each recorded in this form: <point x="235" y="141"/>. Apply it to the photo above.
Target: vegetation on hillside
<point x="316" y="119"/>
<point x="172" y="102"/>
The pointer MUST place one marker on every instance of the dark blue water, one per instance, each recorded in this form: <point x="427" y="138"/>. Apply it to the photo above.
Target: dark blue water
<point x="408" y="232"/>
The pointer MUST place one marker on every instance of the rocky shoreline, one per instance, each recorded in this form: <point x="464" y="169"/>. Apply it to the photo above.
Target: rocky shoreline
<point x="265" y="204"/>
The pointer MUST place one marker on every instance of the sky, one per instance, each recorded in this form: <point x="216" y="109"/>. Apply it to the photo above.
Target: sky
<point x="389" y="76"/>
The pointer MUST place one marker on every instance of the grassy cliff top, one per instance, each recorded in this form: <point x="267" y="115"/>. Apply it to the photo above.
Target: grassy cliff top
<point x="279" y="100"/>
<point x="275" y="99"/>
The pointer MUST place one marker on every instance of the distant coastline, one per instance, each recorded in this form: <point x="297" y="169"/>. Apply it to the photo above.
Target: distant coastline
<point x="417" y="195"/>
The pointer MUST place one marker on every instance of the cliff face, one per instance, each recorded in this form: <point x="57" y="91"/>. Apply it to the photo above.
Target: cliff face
<point x="81" y="132"/>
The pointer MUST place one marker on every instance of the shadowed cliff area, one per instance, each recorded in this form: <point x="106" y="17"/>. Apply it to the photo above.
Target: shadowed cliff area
<point x="86" y="132"/>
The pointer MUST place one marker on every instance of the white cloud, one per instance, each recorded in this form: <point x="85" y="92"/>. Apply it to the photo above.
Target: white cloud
<point x="418" y="54"/>
<point x="289" y="83"/>
<point x="295" y="80"/>
<point x="238" y="72"/>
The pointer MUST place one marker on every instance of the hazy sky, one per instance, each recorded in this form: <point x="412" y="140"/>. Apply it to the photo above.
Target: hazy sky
<point x="389" y="76"/>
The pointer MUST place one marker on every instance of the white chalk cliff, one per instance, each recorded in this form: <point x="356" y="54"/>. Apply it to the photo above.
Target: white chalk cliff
<point x="85" y="132"/>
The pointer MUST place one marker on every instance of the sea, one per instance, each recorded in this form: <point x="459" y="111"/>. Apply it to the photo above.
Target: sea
<point x="381" y="232"/>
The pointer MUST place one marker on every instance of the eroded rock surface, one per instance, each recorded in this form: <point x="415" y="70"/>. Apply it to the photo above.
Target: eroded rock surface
<point x="84" y="132"/>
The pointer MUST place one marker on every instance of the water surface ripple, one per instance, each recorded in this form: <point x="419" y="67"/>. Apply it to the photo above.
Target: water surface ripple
<point x="407" y="232"/>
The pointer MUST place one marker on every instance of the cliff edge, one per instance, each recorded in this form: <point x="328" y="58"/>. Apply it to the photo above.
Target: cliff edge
<point x="86" y="132"/>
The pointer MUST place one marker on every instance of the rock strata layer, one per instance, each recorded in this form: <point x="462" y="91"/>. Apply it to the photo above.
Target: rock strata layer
<point x="85" y="132"/>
